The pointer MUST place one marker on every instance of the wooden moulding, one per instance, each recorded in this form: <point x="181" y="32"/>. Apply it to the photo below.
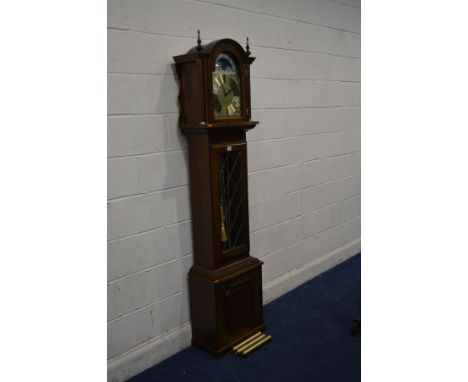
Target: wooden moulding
<point x="206" y="127"/>
<point x="220" y="275"/>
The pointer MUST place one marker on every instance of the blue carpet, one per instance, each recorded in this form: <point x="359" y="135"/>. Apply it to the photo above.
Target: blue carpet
<point x="311" y="339"/>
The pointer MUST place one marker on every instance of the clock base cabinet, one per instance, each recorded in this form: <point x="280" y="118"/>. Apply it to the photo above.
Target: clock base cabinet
<point x="225" y="310"/>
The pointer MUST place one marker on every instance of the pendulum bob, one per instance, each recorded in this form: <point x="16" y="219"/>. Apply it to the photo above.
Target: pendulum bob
<point x="224" y="237"/>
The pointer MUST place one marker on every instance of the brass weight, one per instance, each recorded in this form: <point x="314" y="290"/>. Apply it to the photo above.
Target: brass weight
<point x="247" y="341"/>
<point x="255" y="346"/>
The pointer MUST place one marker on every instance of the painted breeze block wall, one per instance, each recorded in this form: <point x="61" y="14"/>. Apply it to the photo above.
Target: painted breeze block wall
<point x="304" y="156"/>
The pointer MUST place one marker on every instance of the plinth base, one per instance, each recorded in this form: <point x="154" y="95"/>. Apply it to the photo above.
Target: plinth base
<point x="227" y="309"/>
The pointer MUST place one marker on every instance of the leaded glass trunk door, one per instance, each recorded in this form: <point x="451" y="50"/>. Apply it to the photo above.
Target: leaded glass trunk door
<point x="230" y="196"/>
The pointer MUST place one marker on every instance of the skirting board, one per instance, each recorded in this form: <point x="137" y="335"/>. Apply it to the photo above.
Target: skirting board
<point x="292" y="279"/>
<point x="150" y="353"/>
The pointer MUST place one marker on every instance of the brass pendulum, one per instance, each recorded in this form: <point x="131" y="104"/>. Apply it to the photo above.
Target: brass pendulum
<point x="223" y="228"/>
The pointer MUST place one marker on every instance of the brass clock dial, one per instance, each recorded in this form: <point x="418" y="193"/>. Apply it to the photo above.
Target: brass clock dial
<point x="226" y="88"/>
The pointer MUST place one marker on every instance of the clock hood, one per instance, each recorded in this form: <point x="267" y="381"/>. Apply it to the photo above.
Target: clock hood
<point x="225" y="44"/>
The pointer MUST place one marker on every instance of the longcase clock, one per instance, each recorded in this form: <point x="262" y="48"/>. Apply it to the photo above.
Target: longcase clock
<point x="225" y="282"/>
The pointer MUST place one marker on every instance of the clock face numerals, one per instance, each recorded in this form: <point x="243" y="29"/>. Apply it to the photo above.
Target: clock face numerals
<point x="226" y="88"/>
<point x="226" y="94"/>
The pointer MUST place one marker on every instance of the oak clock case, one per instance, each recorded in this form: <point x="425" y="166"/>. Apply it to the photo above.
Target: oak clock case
<point x="225" y="282"/>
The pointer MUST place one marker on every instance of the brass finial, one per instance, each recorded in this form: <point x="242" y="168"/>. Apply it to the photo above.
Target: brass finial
<point x="199" y="47"/>
<point x="247" y="48"/>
